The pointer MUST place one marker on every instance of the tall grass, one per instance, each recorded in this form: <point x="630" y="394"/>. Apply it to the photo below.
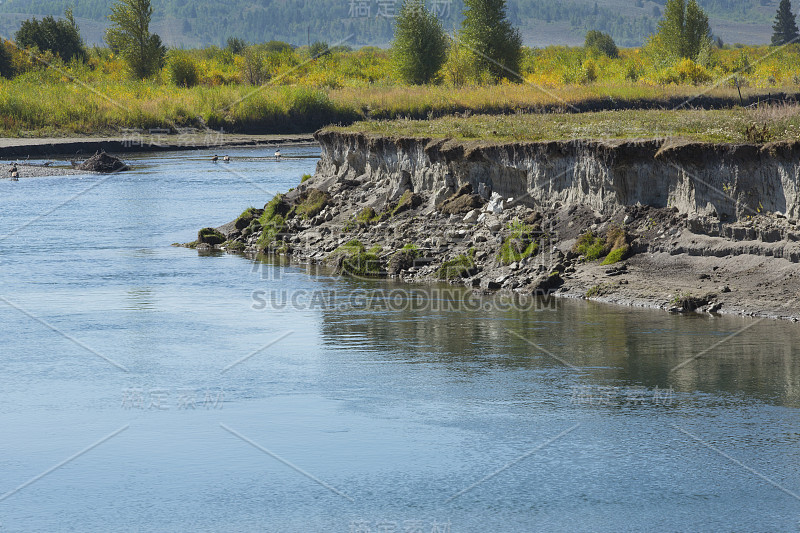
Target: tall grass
<point x="302" y="94"/>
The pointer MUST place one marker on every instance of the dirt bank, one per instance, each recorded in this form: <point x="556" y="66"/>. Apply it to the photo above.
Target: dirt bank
<point x="686" y="228"/>
<point x="21" y="148"/>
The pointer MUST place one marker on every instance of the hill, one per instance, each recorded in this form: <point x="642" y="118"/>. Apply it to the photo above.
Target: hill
<point x="369" y="22"/>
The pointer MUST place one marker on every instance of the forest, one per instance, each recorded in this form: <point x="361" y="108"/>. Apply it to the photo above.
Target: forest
<point x="370" y="22"/>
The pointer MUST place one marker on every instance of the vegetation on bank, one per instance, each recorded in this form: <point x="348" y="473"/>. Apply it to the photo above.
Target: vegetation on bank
<point x="46" y="89"/>
<point x="757" y="125"/>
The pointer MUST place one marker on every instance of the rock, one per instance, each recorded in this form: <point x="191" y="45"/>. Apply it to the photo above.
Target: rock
<point x="714" y="307"/>
<point x="495" y="205"/>
<point x="514" y="266"/>
<point x="547" y="284"/>
<point x="462" y="202"/>
<point x="472" y="216"/>
<point x="102" y="162"/>
<point x="725" y="288"/>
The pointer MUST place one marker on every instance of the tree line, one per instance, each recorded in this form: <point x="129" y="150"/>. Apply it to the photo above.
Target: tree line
<point x="302" y="21"/>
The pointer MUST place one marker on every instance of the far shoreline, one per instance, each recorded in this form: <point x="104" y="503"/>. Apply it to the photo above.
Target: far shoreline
<point x="134" y="142"/>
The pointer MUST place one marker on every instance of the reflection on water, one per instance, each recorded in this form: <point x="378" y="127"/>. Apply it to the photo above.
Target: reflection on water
<point x="251" y="395"/>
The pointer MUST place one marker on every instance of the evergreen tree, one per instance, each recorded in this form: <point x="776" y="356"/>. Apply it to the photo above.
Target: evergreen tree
<point x="496" y="44"/>
<point x="601" y="42"/>
<point x="130" y="36"/>
<point x="684" y="30"/>
<point x="785" y="27"/>
<point x="420" y="46"/>
<point x="60" y="37"/>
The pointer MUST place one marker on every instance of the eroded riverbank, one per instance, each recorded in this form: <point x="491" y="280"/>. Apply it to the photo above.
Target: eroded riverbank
<point x="684" y="227"/>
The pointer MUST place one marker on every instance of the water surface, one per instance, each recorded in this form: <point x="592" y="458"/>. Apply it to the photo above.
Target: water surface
<point x="224" y="394"/>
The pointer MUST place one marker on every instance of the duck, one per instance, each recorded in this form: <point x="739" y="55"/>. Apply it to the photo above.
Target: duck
<point x="227" y="159"/>
<point x="214" y="159"/>
<point x="14" y="173"/>
<point x="277" y="155"/>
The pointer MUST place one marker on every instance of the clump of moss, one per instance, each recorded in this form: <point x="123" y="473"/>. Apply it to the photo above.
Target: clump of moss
<point x="311" y="203"/>
<point x="210" y="236"/>
<point x="305" y="178"/>
<point x="519" y="245"/>
<point x="403" y="259"/>
<point x="234" y="246"/>
<point x="247" y="217"/>
<point x="407" y="202"/>
<point x="271" y="232"/>
<point x="352" y="258"/>
<point x="615" y="256"/>
<point x="364" y="218"/>
<point x="460" y="266"/>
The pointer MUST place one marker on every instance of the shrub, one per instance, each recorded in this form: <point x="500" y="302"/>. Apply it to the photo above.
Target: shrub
<point x="311" y="203"/>
<point x="182" y="69"/>
<point x="602" y="43"/>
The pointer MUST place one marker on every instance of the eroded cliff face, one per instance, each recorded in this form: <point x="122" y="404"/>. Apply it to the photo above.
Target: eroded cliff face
<point x="725" y="181"/>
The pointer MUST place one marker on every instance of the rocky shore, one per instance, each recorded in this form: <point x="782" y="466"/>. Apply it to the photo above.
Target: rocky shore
<point x="683" y="227"/>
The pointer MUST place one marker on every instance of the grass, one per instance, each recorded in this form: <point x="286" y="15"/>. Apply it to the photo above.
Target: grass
<point x="98" y="97"/>
<point x="590" y="246"/>
<point x="519" y="245"/>
<point x="759" y="125"/>
<point x="458" y="267"/>
<point x="352" y="258"/>
<point x="312" y="203"/>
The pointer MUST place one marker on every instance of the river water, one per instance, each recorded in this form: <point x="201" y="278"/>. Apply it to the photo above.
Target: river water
<point x="149" y="388"/>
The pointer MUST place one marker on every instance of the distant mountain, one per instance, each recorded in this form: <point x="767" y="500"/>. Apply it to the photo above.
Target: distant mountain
<point x="192" y="23"/>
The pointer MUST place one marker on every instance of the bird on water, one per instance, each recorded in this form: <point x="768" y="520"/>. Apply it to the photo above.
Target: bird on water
<point x="277" y="155"/>
<point x="215" y="159"/>
<point x="227" y="159"/>
<point x="14" y="173"/>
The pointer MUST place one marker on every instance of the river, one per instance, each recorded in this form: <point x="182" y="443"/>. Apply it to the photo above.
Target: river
<point x="146" y="387"/>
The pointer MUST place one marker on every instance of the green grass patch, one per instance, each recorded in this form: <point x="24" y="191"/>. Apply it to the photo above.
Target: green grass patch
<point x="591" y="246"/>
<point x="210" y="236"/>
<point x="311" y="203"/>
<point x="270" y="233"/>
<point x="519" y="245"/>
<point x="458" y="267"/>
<point x="247" y="217"/>
<point x="615" y="256"/>
<point x="305" y="178"/>
<point x="352" y="258"/>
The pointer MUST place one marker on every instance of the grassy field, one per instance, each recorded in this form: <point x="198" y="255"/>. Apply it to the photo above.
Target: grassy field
<point x="289" y="92"/>
<point x="755" y="125"/>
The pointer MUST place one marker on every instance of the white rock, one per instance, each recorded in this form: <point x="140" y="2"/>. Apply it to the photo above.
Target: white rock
<point x="472" y="217"/>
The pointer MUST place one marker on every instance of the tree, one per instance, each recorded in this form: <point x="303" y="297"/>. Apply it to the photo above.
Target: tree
<point x="601" y="42"/>
<point x="130" y="36"/>
<point x="684" y="30"/>
<point x="785" y="28"/>
<point x="61" y="37"/>
<point x="496" y="44"/>
<point x="420" y="45"/>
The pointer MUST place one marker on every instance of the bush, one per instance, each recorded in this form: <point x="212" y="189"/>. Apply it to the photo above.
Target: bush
<point x="61" y="37"/>
<point x="6" y="61"/>
<point x="182" y="69"/>
<point x="602" y="43"/>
